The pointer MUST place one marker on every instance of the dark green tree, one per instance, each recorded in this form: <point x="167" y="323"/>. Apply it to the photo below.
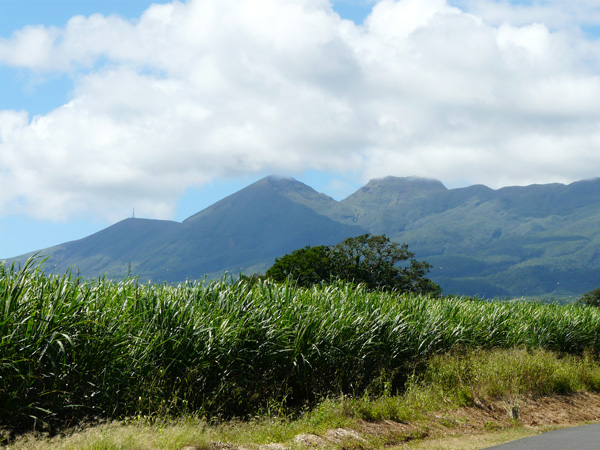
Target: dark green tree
<point x="307" y="266"/>
<point x="374" y="261"/>
<point x="591" y="298"/>
<point x="251" y="279"/>
<point x="381" y="264"/>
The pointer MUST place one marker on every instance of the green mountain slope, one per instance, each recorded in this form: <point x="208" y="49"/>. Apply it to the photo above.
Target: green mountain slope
<point x="534" y="240"/>
<point x="243" y="232"/>
<point x="515" y="241"/>
<point x="131" y="244"/>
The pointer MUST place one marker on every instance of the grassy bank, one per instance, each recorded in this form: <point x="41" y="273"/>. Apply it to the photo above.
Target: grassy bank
<point x="428" y="409"/>
<point x="72" y="351"/>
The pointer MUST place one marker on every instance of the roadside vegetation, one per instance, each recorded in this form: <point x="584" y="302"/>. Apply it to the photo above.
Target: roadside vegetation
<point x="77" y="352"/>
<point x="426" y="415"/>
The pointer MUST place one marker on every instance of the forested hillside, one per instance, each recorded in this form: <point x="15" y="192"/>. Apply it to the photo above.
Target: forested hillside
<point x="515" y="241"/>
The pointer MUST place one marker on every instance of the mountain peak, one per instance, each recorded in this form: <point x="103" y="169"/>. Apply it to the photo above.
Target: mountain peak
<point x="281" y="183"/>
<point x="279" y="178"/>
<point x="273" y="187"/>
<point x="302" y="194"/>
<point x="415" y="183"/>
<point x="389" y="191"/>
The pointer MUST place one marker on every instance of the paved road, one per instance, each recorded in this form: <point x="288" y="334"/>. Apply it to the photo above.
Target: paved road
<point x="586" y="437"/>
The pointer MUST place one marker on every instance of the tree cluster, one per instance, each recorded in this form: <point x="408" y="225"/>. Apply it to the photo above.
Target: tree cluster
<point x="591" y="298"/>
<point x="374" y="261"/>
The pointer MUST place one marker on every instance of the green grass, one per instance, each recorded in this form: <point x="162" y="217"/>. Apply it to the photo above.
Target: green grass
<point x="447" y="383"/>
<point x="73" y="351"/>
<point x="483" y="375"/>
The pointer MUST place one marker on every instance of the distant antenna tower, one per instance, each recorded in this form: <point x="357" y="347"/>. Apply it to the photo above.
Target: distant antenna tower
<point x="133" y="214"/>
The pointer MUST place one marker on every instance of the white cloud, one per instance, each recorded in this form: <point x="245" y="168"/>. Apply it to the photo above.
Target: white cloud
<point x="195" y="91"/>
<point x="396" y="20"/>
<point x="556" y="14"/>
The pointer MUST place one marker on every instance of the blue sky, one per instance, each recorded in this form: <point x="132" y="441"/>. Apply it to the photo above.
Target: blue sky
<point x="167" y="107"/>
<point x="41" y="93"/>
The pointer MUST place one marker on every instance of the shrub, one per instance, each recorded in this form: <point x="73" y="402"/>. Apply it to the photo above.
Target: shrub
<point x="591" y="298"/>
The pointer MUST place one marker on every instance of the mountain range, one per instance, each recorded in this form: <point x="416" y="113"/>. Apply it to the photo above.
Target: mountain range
<point x="538" y="240"/>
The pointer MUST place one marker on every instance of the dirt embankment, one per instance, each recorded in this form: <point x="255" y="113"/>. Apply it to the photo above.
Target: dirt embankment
<point x="481" y="418"/>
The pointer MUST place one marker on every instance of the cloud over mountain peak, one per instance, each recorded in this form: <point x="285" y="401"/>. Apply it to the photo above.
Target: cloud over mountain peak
<point x="191" y="92"/>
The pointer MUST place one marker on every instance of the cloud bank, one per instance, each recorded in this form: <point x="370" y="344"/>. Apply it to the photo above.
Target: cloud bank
<point x="191" y="92"/>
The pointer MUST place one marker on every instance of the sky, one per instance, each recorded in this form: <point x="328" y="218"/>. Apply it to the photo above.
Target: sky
<point x="109" y="107"/>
